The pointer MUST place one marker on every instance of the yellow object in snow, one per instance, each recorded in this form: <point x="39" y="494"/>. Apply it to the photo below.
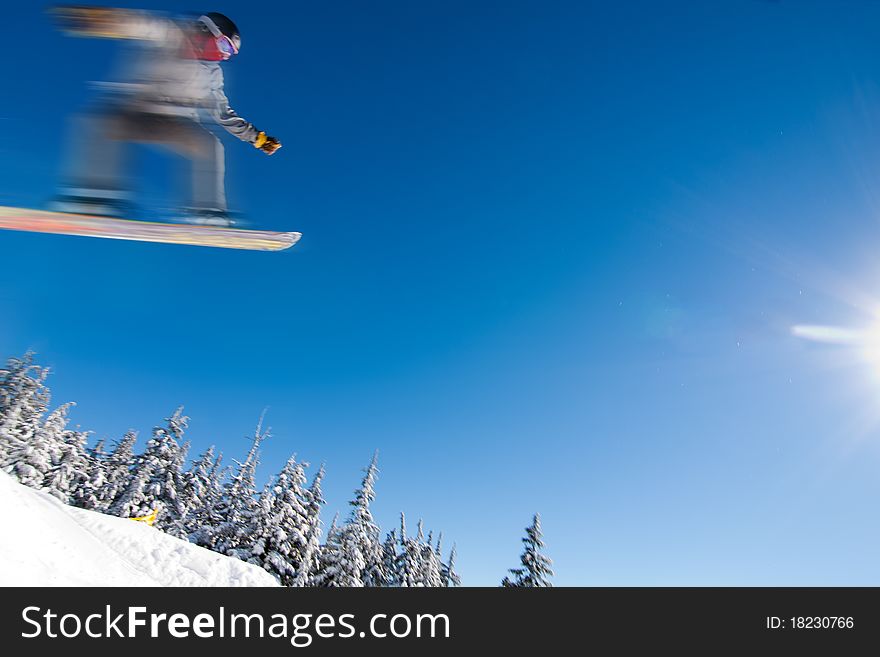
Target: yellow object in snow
<point x="150" y="519"/>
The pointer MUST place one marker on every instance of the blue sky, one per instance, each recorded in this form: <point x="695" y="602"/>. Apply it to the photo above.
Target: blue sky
<point x="552" y="255"/>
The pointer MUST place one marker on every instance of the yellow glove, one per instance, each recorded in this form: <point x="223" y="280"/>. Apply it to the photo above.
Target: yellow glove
<point x="266" y="144"/>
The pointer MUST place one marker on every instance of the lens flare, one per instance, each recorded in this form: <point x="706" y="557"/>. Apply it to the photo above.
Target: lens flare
<point x="863" y="344"/>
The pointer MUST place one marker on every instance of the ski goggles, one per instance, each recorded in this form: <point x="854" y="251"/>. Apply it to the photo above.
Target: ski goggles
<point x="225" y="45"/>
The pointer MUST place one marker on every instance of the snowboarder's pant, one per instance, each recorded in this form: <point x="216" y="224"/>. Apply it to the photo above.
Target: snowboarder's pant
<point x="100" y="149"/>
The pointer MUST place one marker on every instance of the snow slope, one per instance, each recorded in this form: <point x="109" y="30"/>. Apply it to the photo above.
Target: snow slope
<point x="46" y="543"/>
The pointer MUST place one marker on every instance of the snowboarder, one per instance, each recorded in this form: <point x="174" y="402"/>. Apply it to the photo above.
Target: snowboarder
<point x="170" y="98"/>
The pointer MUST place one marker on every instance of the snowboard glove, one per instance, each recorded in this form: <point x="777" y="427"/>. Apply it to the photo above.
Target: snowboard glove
<point x="266" y="144"/>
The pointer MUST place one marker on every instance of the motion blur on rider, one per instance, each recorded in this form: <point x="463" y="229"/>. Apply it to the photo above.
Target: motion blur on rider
<point x="172" y="95"/>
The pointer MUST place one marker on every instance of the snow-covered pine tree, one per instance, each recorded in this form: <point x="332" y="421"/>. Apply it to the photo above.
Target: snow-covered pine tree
<point x="197" y="480"/>
<point x="157" y="481"/>
<point x="201" y="492"/>
<point x="354" y="557"/>
<point x="363" y="532"/>
<point x="328" y="555"/>
<point x="10" y="380"/>
<point x="88" y="494"/>
<point x="408" y="558"/>
<point x="118" y="467"/>
<point x="128" y="503"/>
<point x="211" y="515"/>
<point x="175" y="514"/>
<point x="391" y="560"/>
<point x="419" y="564"/>
<point x="535" y="570"/>
<point x="310" y="560"/>
<point x="21" y="379"/>
<point x="430" y="562"/>
<point x="24" y="400"/>
<point x="432" y="567"/>
<point x="31" y="458"/>
<point x="281" y="541"/>
<point x="70" y="465"/>
<point x="239" y="508"/>
<point x="448" y="573"/>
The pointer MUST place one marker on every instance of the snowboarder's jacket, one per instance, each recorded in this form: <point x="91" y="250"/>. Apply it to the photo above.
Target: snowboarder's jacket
<point x="168" y="77"/>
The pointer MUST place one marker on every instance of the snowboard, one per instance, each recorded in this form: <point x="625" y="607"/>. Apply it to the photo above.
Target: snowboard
<point x="62" y="223"/>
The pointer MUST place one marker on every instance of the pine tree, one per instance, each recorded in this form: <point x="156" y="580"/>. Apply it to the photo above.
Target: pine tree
<point x="201" y="492"/>
<point x="328" y="554"/>
<point x="432" y="568"/>
<point x="21" y="380"/>
<point x="282" y="533"/>
<point x="197" y="480"/>
<point x="239" y="508"/>
<point x="432" y="564"/>
<point x="408" y="559"/>
<point x="87" y="494"/>
<point x="310" y="559"/>
<point x="24" y="400"/>
<point x="391" y="560"/>
<point x="178" y="507"/>
<point x="354" y="557"/>
<point x="118" y="467"/>
<point x="448" y="573"/>
<point x="32" y="457"/>
<point x="70" y="466"/>
<point x="535" y="570"/>
<point x="363" y="532"/>
<point x="157" y="480"/>
<point x="210" y="516"/>
<point x="418" y="561"/>
<point x="429" y="563"/>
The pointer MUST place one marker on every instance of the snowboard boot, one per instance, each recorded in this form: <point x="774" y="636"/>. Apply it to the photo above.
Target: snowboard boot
<point x="210" y="217"/>
<point x="98" y="206"/>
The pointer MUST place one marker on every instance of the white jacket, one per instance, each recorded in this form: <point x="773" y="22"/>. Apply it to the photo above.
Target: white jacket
<point x="165" y="81"/>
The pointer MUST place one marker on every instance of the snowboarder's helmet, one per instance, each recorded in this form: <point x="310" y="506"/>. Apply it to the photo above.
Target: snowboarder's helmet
<point x="224" y="30"/>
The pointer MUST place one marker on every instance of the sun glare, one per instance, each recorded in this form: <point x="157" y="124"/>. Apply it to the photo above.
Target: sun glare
<point x="862" y="343"/>
<point x="869" y="347"/>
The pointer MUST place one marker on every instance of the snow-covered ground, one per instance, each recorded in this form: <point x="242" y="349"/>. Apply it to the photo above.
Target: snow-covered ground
<point x="46" y="543"/>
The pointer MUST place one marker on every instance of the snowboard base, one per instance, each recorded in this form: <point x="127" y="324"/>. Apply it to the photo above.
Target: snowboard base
<point x="62" y="223"/>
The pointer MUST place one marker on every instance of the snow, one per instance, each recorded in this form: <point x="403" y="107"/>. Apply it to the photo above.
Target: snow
<point x="47" y="543"/>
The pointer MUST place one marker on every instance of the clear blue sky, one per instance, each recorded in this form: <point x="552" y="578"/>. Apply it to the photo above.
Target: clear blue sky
<point x="552" y="253"/>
